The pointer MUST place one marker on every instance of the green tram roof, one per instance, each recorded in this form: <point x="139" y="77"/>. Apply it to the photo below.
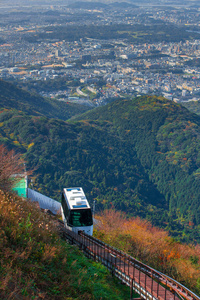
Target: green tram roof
<point x="21" y="187"/>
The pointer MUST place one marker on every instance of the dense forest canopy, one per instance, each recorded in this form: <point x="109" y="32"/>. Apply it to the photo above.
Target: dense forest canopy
<point x="139" y="155"/>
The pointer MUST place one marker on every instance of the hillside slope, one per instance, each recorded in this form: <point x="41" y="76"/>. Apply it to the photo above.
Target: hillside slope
<point x="140" y="156"/>
<point x="37" y="264"/>
<point x="152" y="246"/>
<point x="165" y="137"/>
<point x="33" y="104"/>
<point x="80" y="153"/>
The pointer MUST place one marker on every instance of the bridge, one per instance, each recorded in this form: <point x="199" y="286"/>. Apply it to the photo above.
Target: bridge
<point x="144" y="280"/>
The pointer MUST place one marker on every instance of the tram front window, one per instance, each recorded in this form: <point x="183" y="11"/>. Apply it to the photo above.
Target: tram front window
<point x="80" y="217"/>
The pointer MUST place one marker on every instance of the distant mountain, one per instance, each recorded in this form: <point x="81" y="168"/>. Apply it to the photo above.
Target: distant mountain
<point x="33" y="104"/>
<point x="87" y="5"/>
<point x="139" y="155"/>
<point x="99" y="5"/>
<point x="122" y="4"/>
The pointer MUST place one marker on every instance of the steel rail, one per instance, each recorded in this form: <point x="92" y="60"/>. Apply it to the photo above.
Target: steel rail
<point x="162" y="278"/>
<point x="146" y="281"/>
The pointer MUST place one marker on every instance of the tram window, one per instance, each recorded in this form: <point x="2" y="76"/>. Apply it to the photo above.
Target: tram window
<point x="65" y="208"/>
<point x="80" y="217"/>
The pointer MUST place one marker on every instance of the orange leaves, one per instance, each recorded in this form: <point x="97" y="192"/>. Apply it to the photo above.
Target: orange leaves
<point x="10" y="164"/>
<point x="30" y="145"/>
<point x="173" y="255"/>
<point x="151" y="245"/>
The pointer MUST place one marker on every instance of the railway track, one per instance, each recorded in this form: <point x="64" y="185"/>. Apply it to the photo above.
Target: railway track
<point x="144" y="280"/>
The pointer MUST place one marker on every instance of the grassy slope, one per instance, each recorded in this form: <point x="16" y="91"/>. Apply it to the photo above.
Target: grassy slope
<point x="33" y="104"/>
<point x="37" y="264"/>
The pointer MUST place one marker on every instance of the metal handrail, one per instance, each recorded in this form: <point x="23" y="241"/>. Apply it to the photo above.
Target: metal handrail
<point x="156" y="274"/>
<point x="178" y="288"/>
<point x="182" y="287"/>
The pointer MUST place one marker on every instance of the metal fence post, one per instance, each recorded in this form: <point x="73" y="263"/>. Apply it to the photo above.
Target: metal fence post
<point x="139" y="275"/>
<point x="107" y="253"/>
<point x="124" y="264"/>
<point x="134" y="273"/>
<point x="90" y="255"/>
<point x="94" y="249"/>
<point x="113" y="264"/>
<point x="145" y="283"/>
<point x="157" y="289"/>
<point x="152" y="283"/>
<point x="131" y="290"/>
<point x="120" y="255"/>
<point x="128" y="264"/>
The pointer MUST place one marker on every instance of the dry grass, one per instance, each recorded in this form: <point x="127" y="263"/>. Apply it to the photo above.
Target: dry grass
<point x="152" y="246"/>
<point x="36" y="264"/>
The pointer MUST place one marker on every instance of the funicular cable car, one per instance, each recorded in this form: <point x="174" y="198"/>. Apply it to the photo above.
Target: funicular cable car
<point x="76" y="211"/>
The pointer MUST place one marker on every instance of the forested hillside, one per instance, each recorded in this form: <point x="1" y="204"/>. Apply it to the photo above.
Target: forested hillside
<point x="140" y="156"/>
<point x="14" y="97"/>
<point x="165" y="137"/>
<point x="80" y="153"/>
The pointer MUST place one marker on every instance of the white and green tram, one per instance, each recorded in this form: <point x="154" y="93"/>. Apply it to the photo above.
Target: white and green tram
<point x="76" y="211"/>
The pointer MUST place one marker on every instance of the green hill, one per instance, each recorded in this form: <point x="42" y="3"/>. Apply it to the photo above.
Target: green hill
<point x="165" y="137"/>
<point x="140" y="156"/>
<point x="33" y="104"/>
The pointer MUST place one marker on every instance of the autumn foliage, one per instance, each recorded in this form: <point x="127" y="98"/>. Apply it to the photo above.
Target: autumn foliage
<point x="11" y="165"/>
<point x="152" y="246"/>
<point x="36" y="264"/>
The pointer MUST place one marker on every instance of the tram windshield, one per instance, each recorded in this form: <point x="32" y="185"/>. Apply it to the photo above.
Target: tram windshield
<point x="80" y="217"/>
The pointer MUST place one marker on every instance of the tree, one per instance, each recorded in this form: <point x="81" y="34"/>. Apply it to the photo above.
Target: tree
<point x="11" y="166"/>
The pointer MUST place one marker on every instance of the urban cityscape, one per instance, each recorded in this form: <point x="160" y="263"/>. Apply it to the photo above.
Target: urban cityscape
<point x="100" y="69"/>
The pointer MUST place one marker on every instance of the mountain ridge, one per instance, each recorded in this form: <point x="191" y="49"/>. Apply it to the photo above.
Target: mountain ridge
<point x="33" y="104"/>
<point x="139" y="155"/>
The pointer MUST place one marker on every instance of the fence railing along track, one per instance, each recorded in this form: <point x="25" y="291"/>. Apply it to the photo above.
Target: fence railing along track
<point x="144" y="280"/>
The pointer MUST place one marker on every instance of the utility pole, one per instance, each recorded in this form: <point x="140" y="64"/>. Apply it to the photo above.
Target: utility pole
<point x="93" y="208"/>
